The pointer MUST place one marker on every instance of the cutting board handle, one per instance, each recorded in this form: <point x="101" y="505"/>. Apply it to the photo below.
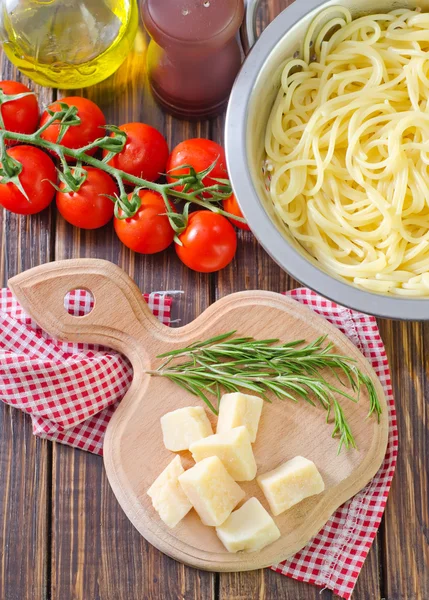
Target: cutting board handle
<point x="119" y="319"/>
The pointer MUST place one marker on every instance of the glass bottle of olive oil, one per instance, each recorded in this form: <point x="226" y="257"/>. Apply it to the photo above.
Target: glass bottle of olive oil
<point x="68" y="43"/>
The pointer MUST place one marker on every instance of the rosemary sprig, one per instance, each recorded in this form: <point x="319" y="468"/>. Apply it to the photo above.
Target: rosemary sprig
<point x="292" y="370"/>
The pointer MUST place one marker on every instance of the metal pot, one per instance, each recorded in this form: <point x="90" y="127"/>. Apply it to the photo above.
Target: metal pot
<point x="249" y="106"/>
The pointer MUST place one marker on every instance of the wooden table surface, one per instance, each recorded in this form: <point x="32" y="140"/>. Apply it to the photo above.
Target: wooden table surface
<point x="63" y="536"/>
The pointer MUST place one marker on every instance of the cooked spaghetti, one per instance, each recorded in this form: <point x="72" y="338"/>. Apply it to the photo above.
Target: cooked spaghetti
<point x="347" y="147"/>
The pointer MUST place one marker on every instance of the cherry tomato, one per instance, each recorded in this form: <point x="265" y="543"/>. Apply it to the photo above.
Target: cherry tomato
<point x="77" y="136"/>
<point x="200" y="154"/>
<point x="145" y="153"/>
<point x="230" y="205"/>
<point x="208" y="243"/>
<point x="20" y="115"/>
<point x="149" y="230"/>
<point x="88" y="208"/>
<point x="38" y="170"/>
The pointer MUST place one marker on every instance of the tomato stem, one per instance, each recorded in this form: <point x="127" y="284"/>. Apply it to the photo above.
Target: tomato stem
<point x="192" y="188"/>
<point x="41" y="129"/>
<point x="9" y="98"/>
<point x="10" y="168"/>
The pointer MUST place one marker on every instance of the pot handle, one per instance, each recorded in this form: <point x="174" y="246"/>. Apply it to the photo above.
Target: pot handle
<point x="248" y="29"/>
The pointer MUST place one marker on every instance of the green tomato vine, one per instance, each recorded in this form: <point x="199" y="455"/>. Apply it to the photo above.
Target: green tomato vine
<point x="193" y="191"/>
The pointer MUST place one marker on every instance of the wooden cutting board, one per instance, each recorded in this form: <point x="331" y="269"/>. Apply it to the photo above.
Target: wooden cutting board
<point x="134" y="453"/>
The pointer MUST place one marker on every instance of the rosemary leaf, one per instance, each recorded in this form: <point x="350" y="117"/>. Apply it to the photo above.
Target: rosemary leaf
<point x="290" y="371"/>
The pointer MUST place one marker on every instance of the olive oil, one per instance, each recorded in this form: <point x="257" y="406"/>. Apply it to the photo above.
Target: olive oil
<point x="68" y="43"/>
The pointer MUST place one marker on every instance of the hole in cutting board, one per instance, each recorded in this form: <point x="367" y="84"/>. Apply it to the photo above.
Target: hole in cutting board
<point x="79" y="302"/>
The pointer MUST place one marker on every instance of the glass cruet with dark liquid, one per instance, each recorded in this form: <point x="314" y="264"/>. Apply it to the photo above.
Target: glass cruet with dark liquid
<point x="194" y="56"/>
<point x="68" y="43"/>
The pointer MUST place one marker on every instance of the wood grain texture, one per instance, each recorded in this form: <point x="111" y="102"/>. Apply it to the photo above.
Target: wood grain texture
<point x="24" y="461"/>
<point x="266" y="585"/>
<point x="257" y="269"/>
<point x="129" y="568"/>
<point x="134" y="452"/>
<point x="406" y="529"/>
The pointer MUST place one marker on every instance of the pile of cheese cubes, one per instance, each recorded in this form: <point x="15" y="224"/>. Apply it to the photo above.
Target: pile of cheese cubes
<point x="222" y="459"/>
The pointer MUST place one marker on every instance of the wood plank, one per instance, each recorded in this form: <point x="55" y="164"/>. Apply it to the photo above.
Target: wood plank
<point x="406" y="554"/>
<point x="269" y="585"/>
<point x="369" y="583"/>
<point x="23" y="539"/>
<point x="264" y="585"/>
<point x="96" y="551"/>
<point x="254" y="269"/>
<point x="24" y="460"/>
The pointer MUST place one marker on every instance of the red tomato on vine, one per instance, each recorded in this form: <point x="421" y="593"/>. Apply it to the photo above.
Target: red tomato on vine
<point x="149" y="230"/>
<point x="230" y="205"/>
<point x="145" y="153"/>
<point x="37" y="173"/>
<point x="89" y="207"/>
<point x="199" y="154"/>
<point x="21" y="115"/>
<point x="92" y="121"/>
<point x="208" y="243"/>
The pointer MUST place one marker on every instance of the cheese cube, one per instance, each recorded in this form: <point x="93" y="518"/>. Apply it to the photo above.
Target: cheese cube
<point x="249" y="528"/>
<point x="183" y="426"/>
<point x="240" y="409"/>
<point x="290" y="483"/>
<point x="234" y="450"/>
<point x="211" y="490"/>
<point x="167" y="496"/>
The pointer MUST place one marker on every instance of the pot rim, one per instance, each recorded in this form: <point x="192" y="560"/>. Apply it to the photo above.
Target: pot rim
<point x="266" y="232"/>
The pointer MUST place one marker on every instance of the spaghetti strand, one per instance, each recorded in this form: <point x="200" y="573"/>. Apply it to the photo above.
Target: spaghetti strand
<point x="347" y="148"/>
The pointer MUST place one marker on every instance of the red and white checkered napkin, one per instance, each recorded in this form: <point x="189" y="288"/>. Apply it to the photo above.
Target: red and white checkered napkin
<point x="333" y="559"/>
<point x="72" y="390"/>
